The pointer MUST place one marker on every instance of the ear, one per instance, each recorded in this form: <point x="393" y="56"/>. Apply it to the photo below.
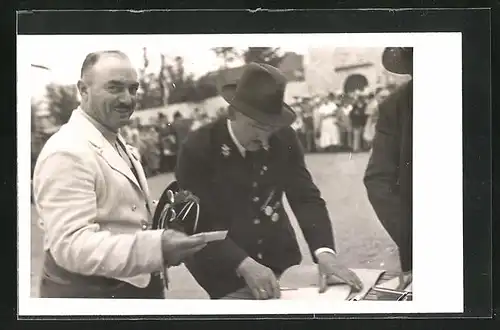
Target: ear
<point x="82" y="89"/>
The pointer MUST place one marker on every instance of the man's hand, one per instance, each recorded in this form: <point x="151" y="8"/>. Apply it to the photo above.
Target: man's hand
<point x="404" y="280"/>
<point x="260" y="279"/>
<point x="177" y="246"/>
<point x="329" y="266"/>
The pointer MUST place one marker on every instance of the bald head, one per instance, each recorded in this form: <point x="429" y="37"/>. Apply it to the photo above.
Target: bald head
<point x="108" y="88"/>
<point x="92" y="60"/>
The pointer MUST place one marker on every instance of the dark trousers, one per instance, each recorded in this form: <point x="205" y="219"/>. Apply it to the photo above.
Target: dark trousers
<point x="106" y="289"/>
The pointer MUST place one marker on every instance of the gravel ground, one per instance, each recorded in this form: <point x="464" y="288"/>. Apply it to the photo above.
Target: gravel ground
<point x="361" y="240"/>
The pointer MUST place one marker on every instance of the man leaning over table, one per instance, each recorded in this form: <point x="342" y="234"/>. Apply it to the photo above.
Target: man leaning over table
<point x="240" y="168"/>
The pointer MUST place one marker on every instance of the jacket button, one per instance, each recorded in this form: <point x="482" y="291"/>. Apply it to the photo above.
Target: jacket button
<point x="264" y="168"/>
<point x="259" y="255"/>
<point x="254" y="184"/>
<point x="255" y="199"/>
<point x="256" y="221"/>
<point x="260" y="241"/>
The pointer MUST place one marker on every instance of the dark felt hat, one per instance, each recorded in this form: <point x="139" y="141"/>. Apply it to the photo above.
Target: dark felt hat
<point x="398" y="60"/>
<point x="259" y="94"/>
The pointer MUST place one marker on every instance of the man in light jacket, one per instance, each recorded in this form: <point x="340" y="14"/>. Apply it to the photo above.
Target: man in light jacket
<point x="92" y="197"/>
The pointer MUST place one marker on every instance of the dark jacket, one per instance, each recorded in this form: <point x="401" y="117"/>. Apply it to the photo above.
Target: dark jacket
<point x="358" y="114"/>
<point x="388" y="177"/>
<point x="232" y="191"/>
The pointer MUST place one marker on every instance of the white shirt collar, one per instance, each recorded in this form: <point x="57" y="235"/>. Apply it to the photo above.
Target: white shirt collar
<point x="237" y="143"/>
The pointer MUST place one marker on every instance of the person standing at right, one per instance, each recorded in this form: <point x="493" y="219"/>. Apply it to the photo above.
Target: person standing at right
<point x="388" y="176"/>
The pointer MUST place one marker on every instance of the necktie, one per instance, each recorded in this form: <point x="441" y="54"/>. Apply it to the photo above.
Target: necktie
<point x="121" y="151"/>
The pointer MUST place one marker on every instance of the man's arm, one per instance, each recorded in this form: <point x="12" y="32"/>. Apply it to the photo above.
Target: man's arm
<point x="66" y="202"/>
<point x="306" y="202"/>
<point x="193" y="174"/>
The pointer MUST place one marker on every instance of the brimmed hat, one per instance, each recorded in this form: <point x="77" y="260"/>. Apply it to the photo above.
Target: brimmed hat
<point x="398" y="60"/>
<point x="259" y="94"/>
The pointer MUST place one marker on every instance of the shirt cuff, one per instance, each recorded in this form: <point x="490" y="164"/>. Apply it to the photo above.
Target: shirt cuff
<point x="324" y="249"/>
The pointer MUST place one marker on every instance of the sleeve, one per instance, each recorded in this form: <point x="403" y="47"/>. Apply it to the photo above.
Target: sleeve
<point x="64" y="190"/>
<point x="306" y="201"/>
<point x="381" y="174"/>
<point x="193" y="174"/>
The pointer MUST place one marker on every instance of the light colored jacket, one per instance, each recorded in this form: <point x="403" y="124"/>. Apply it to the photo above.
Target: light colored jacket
<point x="94" y="213"/>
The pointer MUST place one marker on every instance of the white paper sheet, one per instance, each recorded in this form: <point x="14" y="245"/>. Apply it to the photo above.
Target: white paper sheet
<point x="212" y="236"/>
<point x="305" y="278"/>
<point x="335" y="293"/>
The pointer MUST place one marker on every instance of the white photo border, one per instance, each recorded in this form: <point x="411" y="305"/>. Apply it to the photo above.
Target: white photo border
<point x="437" y="184"/>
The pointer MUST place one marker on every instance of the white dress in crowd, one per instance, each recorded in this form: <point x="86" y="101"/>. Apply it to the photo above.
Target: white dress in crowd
<point x="328" y="127"/>
<point x="371" y="122"/>
<point x="298" y="124"/>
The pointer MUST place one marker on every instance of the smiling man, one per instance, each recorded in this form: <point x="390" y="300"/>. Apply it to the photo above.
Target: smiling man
<point x="241" y="168"/>
<point x="92" y="197"/>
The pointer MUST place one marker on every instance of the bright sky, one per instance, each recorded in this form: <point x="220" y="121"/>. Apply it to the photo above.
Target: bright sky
<point x="64" y="54"/>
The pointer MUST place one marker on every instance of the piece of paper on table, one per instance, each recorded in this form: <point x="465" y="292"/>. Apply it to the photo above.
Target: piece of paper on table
<point x="304" y="277"/>
<point x="334" y="293"/>
<point x="212" y="236"/>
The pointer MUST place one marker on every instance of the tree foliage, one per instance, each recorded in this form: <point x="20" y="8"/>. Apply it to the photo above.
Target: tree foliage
<point x="226" y="54"/>
<point x="62" y="100"/>
<point x="267" y="55"/>
<point x="172" y="84"/>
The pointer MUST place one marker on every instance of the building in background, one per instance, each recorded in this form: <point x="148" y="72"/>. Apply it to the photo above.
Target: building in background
<point x="330" y="69"/>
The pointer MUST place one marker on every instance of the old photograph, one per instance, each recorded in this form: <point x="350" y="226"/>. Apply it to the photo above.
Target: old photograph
<point x="170" y="169"/>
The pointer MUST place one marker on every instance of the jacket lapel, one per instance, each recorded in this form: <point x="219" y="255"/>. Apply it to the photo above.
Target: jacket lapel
<point x="141" y="176"/>
<point x="114" y="160"/>
<point x="102" y="146"/>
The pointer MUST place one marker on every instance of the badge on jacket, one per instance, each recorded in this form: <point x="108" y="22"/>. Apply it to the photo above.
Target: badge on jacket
<point x="225" y="150"/>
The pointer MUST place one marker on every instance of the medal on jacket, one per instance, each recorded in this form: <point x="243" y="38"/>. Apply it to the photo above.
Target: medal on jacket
<point x="275" y="217"/>
<point x="268" y="210"/>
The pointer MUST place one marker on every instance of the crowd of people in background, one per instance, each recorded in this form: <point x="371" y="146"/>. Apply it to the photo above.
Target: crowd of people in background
<point x="338" y="122"/>
<point x="158" y="142"/>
